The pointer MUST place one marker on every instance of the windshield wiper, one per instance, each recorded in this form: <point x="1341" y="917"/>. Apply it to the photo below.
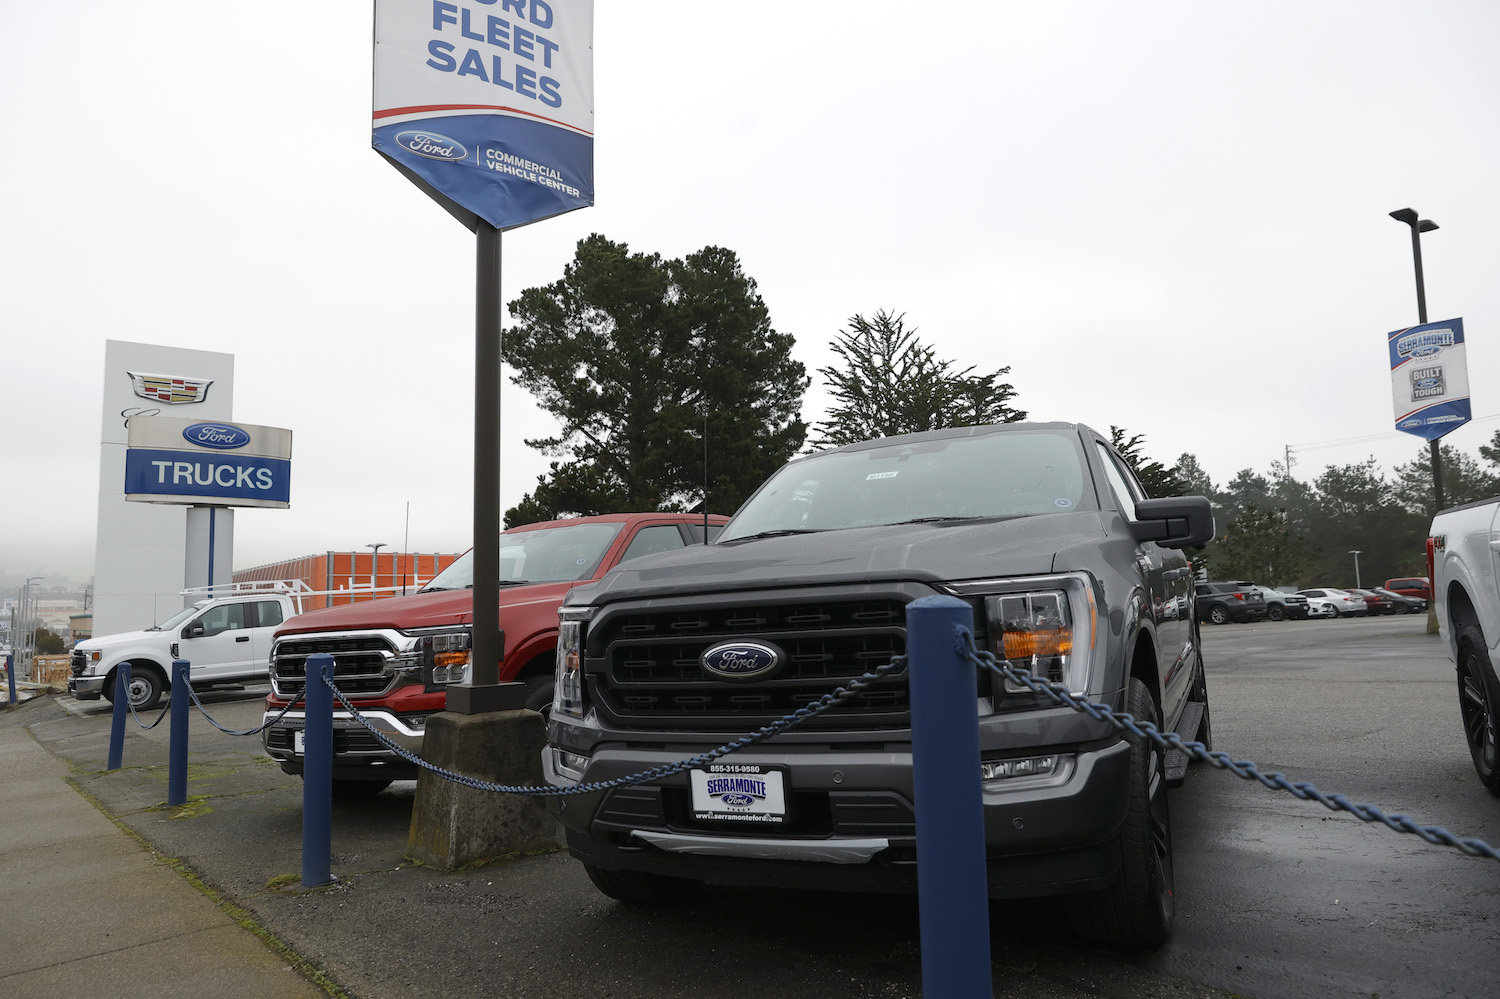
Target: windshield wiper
<point x="929" y="520"/>
<point x="782" y="532"/>
<point x="514" y="582"/>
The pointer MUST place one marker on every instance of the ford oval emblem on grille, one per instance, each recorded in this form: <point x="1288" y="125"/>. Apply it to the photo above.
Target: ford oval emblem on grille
<point x="432" y="145"/>
<point x="220" y="436"/>
<point x="741" y="660"/>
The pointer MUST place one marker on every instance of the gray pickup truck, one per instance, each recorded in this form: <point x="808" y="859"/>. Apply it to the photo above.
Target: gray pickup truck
<point x="1072" y="572"/>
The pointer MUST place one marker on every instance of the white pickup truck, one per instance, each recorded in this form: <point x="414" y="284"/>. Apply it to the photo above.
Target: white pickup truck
<point x="1463" y="554"/>
<point x="226" y="638"/>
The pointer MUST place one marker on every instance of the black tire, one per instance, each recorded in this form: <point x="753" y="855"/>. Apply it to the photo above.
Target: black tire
<point x="539" y="694"/>
<point x="1479" y="703"/>
<point x="147" y="683"/>
<point x="1403" y="609"/>
<point x="1138" y="908"/>
<point x="1218" y="614"/>
<point x="637" y="887"/>
<point x="1276" y="612"/>
<point x="1337" y="612"/>
<point x="345" y="789"/>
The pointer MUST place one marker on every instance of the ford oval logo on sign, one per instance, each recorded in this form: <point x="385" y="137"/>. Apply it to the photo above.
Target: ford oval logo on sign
<point x="432" y="145"/>
<point x="741" y="660"/>
<point x="219" y="436"/>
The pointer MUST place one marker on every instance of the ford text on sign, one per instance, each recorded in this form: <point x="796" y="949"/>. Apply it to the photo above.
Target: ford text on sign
<point x="207" y="463"/>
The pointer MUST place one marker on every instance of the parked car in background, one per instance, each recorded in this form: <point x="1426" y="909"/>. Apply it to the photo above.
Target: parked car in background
<point x="1225" y="602"/>
<point x="1344" y="604"/>
<point x="1411" y="586"/>
<point x="1401" y="603"/>
<point x="1375" y="603"/>
<point x="1320" y="607"/>
<point x="1279" y="606"/>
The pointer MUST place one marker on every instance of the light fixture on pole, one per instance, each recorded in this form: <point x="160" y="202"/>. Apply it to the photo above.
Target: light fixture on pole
<point x="1356" y="553"/>
<point x="1419" y="226"/>
<point x="375" y="563"/>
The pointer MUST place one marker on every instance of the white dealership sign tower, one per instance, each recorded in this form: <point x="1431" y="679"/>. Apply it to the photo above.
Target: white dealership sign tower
<point x="140" y="554"/>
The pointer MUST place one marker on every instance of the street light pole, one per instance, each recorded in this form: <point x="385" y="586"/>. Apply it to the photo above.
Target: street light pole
<point x="1419" y="226"/>
<point x="1356" y="554"/>
<point x="27" y="625"/>
<point x="375" y="565"/>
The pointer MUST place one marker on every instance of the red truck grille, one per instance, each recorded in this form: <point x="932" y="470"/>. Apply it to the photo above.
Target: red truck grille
<point x="359" y="663"/>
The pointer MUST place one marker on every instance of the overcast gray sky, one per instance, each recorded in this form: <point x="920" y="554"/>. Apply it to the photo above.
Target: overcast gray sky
<point x="1166" y="216"/>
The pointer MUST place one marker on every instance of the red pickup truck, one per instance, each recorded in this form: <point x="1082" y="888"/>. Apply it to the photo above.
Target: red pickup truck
<point x="394" y="658"/>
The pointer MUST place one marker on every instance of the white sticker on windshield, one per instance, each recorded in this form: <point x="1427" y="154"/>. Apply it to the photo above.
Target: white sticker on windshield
<point x="880" y="475"/>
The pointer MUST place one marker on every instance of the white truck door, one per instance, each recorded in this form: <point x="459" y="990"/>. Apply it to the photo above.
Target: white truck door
<point x="268" y="617"/>
<point x="218" y="642"/>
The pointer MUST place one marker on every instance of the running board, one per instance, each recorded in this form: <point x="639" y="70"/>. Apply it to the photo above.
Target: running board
<point x="1176" y="763"/>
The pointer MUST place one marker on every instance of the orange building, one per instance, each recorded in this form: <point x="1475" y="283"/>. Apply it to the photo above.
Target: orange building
<point x="352" y="576"/>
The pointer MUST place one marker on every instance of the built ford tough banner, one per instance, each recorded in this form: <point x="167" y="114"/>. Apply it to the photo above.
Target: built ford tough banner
<point x="1430" y="378"/>
<point x="488" y="105"/>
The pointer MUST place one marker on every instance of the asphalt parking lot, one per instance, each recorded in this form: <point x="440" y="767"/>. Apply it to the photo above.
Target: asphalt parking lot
<point x="1277" y="897"/>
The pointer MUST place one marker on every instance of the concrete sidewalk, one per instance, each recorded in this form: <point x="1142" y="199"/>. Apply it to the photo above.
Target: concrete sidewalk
<point x="88" y="909"/>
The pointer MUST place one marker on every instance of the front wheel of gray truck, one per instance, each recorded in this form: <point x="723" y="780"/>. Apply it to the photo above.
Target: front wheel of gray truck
<point x="1137" y="908"/>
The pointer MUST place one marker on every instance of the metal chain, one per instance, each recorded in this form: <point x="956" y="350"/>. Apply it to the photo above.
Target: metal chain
<point x="828" y="700"/>
<point x="193" y="694"/>
<point x="1123" y="721"/>
<point x="137" y="718"/>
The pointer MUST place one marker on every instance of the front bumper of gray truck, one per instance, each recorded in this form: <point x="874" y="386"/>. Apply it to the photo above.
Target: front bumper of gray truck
<point x="632" y="696"/>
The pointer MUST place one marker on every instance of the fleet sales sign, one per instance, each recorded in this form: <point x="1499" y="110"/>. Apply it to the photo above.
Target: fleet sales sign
<point x="488" y="105"/>
<point x="1430" y="378"/>
<point x="171" y="460"/>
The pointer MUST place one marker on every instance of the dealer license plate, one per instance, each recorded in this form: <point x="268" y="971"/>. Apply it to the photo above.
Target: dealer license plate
<point x="737" y="792"/>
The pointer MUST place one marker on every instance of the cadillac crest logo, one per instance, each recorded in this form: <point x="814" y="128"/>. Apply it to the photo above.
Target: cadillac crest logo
<point x="741" y="660"/>
<point x="172" y="391"/>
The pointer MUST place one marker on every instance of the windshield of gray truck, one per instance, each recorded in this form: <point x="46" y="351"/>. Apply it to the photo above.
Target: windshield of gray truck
<point x="548" y="555"/>
<point x="1001" y="474"/>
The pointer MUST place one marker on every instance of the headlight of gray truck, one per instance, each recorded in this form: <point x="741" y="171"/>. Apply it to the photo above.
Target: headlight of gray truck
<point x="1047" y="625"/>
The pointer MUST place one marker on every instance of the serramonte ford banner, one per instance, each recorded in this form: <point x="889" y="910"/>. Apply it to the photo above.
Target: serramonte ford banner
<point x="1430" y="378"/>
<point x="488" y="105"/>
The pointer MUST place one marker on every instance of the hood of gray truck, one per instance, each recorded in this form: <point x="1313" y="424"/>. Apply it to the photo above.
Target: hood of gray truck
<point x="945" y="551"/>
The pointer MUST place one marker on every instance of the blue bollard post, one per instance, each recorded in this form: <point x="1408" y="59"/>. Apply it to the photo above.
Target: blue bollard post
<point x="10" y="673"/>
<point x="953" y="900"/>
<point x="177" y="755"/>
<point x="317" y="773"/>
<point x="122" y="710"/>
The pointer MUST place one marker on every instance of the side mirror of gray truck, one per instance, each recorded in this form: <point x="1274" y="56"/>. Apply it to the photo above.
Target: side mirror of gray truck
<point x="1174" y="521"/>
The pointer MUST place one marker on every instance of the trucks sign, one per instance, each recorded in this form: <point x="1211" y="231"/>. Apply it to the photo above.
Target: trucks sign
<point x="488" y="105"/>
<point x="207" y="463"/>
<point x="1430" y="378"/>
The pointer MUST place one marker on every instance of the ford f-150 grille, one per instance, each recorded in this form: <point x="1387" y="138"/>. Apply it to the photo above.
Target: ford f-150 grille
<point x="359" y="663"/>
<point x="650" y="672"/>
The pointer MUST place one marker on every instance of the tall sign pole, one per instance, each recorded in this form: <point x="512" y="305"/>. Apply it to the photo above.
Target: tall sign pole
<point x="489" y="109"/>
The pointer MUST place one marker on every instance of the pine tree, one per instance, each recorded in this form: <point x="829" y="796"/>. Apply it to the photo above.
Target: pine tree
<point x="634" y="355"/>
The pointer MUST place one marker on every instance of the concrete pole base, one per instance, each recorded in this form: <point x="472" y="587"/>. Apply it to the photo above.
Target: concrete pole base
<point x="454" y="826"/>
